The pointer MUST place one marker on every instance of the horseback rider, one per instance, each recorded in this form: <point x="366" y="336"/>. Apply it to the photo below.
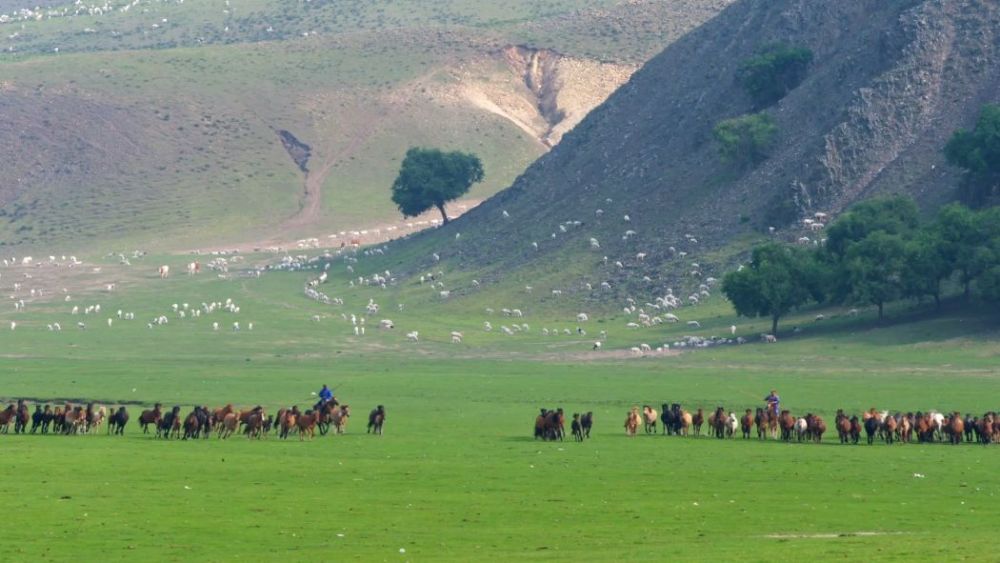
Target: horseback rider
<point x="773" y="402"/>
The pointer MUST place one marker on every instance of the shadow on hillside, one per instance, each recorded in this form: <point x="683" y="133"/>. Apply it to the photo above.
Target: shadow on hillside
<point x="910" y="324"/>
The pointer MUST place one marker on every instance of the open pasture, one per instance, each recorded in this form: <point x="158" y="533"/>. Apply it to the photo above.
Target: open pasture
<point x="457" y="474"/>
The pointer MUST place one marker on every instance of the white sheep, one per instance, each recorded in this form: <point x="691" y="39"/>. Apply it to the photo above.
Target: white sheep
<point x="694" y="324"/>
<point x="413" y="336"/>
<point x="456" y="337"/>
<point x="582" y="317"/>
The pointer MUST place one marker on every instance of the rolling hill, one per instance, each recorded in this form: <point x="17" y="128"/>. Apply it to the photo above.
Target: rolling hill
<point x="172" y="125"/>
<point x="889" y="83"/>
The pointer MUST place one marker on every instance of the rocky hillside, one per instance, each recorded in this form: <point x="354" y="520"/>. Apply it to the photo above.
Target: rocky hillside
<point x="889" y="82"/>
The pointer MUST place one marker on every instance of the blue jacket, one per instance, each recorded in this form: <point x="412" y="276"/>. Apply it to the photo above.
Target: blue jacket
<point x="325" y="394"/>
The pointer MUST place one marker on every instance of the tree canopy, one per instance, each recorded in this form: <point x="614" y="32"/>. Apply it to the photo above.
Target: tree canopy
<point x="774" y="71"/>
<point x="978" y="152"/>
<point x="431" y="178"/>
<point x="778" y="279"/>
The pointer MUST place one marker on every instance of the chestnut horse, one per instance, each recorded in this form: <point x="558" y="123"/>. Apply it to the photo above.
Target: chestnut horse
<point x="787" y="423"/>
<point x="6" y="417"/>
<point x="719" y="422"/>
<point x="632" y="422"/>
<point x="697" y="421"/>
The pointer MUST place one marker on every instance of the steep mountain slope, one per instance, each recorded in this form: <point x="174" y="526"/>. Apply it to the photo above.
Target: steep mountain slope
<point x="168" y="124"/>
<point x="890" y="81"/>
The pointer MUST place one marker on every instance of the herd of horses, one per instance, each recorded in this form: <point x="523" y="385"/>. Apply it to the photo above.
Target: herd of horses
<point x="201" y="422"/>
<point x="876" y="425"/>
<point x="889" y="427"/>
<point x="551" y="425"/>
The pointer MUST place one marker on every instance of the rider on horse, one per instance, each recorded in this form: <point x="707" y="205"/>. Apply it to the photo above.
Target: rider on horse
<point x="325" y="396"/>
<point x="773" y="402"/>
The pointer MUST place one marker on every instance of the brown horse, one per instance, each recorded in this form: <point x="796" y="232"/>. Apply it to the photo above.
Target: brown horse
<point x="340" y="415"/>
<point x="220" y="414"/>
<point x="761" y="419"/>
<point x="152" y="416"/>
<point x="229" y="424"/>
<point x="719" y="421"/>
<point x="685" y="423"/>
<point x="843" y="427"/>
<point x="787" y="423"/>
<point x="957" y="428"/>
<point x="697" y="420"/>
<point x="306" y="423"/>
<point x="889" y="425"/>
<point x="817" y="427"/>
<point x="22" y="417"/>
<point x="746" y="424"/>
<point x="6" y="417"/>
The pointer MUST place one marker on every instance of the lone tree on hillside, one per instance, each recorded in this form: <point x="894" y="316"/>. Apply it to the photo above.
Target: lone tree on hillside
<point x="978" y="152"/>
<point x="745" y="140"/>
<point x="779" y="278"/>
<point x="431" y="178"/>
<point x="774" y="71"/>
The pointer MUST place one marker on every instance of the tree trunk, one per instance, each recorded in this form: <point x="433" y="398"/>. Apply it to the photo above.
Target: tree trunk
<point x="444" y="216"/>
<point x="774" y="325"/>
<point x="880" y="304"/>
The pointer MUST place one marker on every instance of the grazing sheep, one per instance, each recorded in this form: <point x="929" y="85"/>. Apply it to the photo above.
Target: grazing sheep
<point x="487" y="326"/>
<point x="413" y="336"/>
<point x="671" y="318"/>
<point x="694" y="324"/>
<point x="769" y="338"/>
<point x="456" y="337"/>
<point x="582" y="317"/>
<point x="386" y="324"/>
<point x="597" y="345"/>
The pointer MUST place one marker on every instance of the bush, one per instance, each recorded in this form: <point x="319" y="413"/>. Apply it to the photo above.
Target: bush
<point x="774" y="72"/>
<point x="745" y="140"/>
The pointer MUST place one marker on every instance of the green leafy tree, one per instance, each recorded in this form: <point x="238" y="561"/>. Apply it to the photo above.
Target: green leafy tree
<point x="978" y="152"/>
<point x="894" y="215"/>
<point x="745" y="140"/>
<point x="961" y="232"/>
<point x="875" y="267"/>
<point x="774" y="71"/>
<point x="431" y="178"/>
<point x="925" y="266"/>
<point x="778" y="279"/>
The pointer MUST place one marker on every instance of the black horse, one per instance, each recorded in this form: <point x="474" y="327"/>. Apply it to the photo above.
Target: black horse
<point x="117" y="422"/>
<point x="36" y="418"/>
<point x="376" y="419"/>
<point x="586" y="422"/>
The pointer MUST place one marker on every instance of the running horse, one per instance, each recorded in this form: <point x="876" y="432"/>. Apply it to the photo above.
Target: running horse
<point x="649" y="416"/>
<point x="632" y="421"/>
<point x="376" y="419"/>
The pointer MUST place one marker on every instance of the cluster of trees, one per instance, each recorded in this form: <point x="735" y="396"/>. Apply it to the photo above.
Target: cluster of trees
<point x="876" y="253"/>
<point x="767" y="77"/>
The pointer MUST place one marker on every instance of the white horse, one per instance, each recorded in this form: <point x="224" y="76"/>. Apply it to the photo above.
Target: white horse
<point x="164" y="271"/>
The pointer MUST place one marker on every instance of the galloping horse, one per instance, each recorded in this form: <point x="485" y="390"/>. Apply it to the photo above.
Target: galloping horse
<point x="151" y="417"/>
<point x="746" y="424"/>
<point x="719" y="422"/>
<point x="632" y="422"/>
<point x="649" y="416"/>
<point x="376" y="419"/>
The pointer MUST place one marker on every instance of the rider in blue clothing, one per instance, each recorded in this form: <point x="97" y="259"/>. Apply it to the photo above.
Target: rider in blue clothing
<point x="773" y="402"/>
<point x="325" y="394"/>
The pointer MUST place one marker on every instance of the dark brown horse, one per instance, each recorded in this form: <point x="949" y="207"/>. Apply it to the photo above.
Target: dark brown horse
<point x="586" y="423"/>
<point x="761" y="419"/>
<point x="957" y="428"/>
<point x="697" y="420"/>
<point x="719" y="421"/>
<point x="843" y="427"/>
<point x="152" y="416"/>
<point x="746" y="424"/>
<point x="22" y="417"/>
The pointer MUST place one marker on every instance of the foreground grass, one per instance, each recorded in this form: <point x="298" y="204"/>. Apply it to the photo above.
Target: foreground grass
<point x="457" y="475"/>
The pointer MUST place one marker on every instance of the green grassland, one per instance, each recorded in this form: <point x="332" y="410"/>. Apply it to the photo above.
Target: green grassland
<point x="167" y="137"/>
<point x="457" y="475"/>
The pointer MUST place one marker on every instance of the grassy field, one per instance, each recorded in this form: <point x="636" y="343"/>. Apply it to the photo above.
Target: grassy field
<point x="457" y="475"/>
